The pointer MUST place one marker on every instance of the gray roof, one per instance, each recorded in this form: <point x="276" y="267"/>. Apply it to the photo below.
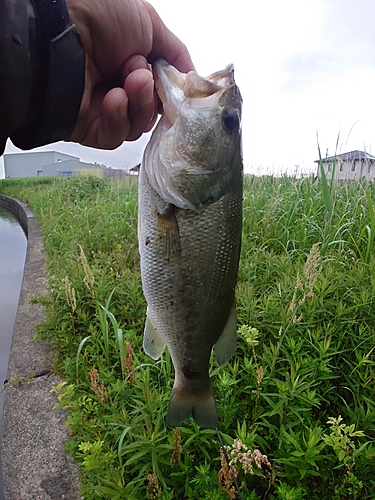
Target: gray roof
<point x="353" y="155"/>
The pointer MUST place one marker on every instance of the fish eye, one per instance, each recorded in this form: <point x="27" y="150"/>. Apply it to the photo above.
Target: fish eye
<point x="231" y="119"/>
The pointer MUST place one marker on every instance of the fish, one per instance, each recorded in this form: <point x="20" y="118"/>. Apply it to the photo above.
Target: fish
<point x="189" y="232"/>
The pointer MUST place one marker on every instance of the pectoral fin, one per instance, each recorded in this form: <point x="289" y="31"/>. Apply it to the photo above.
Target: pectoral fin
<point x="167" y="229"/>
<point x="153" y="344"/>
<point x="226" y="344"/>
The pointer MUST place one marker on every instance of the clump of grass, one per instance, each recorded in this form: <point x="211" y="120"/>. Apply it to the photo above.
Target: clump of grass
<point x="305" y="355"/>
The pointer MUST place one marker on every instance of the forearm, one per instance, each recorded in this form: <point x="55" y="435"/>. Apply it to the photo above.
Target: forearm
<point x="42" y="72"/>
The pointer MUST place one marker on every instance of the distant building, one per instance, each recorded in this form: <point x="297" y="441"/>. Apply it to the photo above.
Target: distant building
<point x="355" y="165"/>
<point x="68" y="168"/>
<point x="135" y="170"/>
<point x="31" y="164"/>
<point x="54" y="164"/>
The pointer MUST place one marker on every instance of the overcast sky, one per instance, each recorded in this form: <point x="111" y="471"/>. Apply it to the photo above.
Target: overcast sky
<point x="304" y="68"/>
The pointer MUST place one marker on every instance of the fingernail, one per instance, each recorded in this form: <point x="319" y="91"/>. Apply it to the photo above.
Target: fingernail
<point x="122" y="110"/>
<point x="146" y="95"/>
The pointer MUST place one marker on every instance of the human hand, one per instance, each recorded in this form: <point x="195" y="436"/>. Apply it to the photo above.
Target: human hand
<point x="121" y="38"/>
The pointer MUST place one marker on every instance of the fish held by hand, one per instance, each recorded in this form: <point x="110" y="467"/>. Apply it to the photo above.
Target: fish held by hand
<point x="190" y="220"/>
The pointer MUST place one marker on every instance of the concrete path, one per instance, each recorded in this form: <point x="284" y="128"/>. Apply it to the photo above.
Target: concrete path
<point x="35" y="464"/>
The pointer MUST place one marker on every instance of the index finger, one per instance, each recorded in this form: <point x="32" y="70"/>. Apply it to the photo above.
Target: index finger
<point x="167" y="45"/>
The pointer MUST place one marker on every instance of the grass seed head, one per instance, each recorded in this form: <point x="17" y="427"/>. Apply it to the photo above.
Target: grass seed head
<point x="225" y="476"/>
<point x="89" y="277"/>
<point x="70" y="294"/>
<point x="177" y="447"/>
<point x="305" y="287"/>
<point x="99" y="389"/>
<point x="312" y="269"/>
<point x="128" y="363"/>
<point x="259" y="374"/>
<point x="153" y="488"/>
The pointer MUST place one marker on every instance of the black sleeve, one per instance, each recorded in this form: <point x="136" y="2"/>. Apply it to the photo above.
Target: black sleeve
<point x="42" y="72"/>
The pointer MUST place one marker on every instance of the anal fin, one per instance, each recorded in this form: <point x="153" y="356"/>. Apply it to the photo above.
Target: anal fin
<point x="225" y="346"/>
<point x="153" y="344"/>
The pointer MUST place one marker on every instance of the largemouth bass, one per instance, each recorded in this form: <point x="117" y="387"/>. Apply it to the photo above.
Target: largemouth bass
<point x="190" y="219"/>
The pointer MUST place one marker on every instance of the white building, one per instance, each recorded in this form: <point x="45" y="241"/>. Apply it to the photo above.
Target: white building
<point x="31" y="164"/>
<point x="355" y="165"/>
<point x="68" y="168"/>
<point x="47" y="163"/>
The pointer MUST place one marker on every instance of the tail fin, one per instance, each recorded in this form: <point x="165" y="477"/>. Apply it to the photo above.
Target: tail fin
<point x="184" y="405"/>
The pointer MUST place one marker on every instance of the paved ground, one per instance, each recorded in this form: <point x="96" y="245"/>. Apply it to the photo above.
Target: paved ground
<point x="35" y="465"/>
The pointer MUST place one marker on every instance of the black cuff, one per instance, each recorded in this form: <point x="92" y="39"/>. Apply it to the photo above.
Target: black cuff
<point x="62" y="76"/>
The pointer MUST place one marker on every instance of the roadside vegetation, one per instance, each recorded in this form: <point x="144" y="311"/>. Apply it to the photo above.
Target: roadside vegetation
<point x="297" y="401"/>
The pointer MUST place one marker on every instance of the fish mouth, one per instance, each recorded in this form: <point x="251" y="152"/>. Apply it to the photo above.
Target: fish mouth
<point x="174" y="87"/>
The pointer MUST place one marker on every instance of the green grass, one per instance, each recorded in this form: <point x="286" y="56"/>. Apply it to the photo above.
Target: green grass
<point x="300" y="389"/>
